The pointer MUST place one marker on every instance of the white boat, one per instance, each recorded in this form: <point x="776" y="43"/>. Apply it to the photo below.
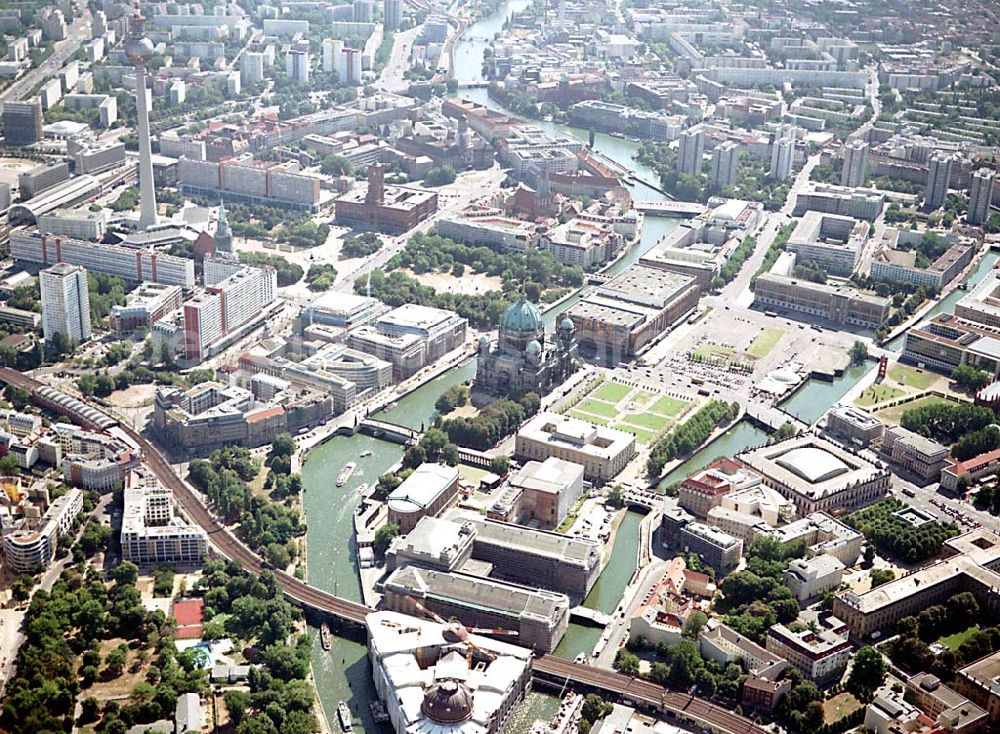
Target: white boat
<point x="365" y="453"/>
<point x="346" y="473"/>
<point x="344" y="714"/>
<point x="362" y="488"/>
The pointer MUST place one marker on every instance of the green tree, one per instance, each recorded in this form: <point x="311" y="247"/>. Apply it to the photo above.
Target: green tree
<point x="867" y="673"/>
<point x="384" y="536"/>
<point x="693" y="624"/>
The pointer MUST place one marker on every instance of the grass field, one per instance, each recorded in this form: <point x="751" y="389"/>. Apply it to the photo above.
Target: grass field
<point x="893" y="414"/>
<point x="839" y="706"/>
<point x="668" y="406"/>
<point x="611" y="392"/>
<point x="877" y="394"/>
<point x="598" y="407"/>
<point x="953" y="642"/>
<point x="642" y="397"/>
<point x="596" y="420"/>
<point x="641" y="436"/>
<point x="919" y="379"/>
<point x="652" y="421"/>
<point x="764" y="342"/>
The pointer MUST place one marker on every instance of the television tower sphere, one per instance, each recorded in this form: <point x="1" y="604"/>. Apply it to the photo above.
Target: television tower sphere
<point x="138" y="49"/>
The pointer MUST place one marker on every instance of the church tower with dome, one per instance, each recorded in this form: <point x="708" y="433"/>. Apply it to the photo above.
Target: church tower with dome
<point x="522" y="360"/>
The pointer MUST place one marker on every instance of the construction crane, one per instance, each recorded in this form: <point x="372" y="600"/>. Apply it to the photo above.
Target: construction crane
<point x="455" y="631"/>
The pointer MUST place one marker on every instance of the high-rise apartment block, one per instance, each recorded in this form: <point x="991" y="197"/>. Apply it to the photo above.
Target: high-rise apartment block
<point x="297" y="66"/>
<point x="855" y="164"/>
<point x="691" y="151"/>
<point x="725" y="165"/>
<point x="938" y="180"/>
<point x="65" y="302"/>
<point x="392" y="14"/>
<point x="980" y="196"/>
<point x="782" y="154"/>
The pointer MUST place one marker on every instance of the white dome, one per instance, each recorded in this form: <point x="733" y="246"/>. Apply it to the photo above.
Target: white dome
<point x="786" y="376"/>
<point x="813" y="464"/>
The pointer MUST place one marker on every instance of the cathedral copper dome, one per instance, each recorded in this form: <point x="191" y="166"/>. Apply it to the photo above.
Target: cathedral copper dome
<point x="447" y="702"/>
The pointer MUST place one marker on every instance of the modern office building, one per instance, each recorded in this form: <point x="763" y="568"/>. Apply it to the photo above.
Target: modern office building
<point x="938" y="180"/>
<point x="430" y="680"/>
<point x="617" y="319"/>
<point x="128" y="263"/>
<point x="691" y="151"/>
<point x="603" y="452"/>
<point x="855" y="168"/>
<point x="980" y="196"/>
<point x="77" y="223"/>
<point x="539" y="617"/>
<point x="818" y="475"/>
<point x="22" y="122"/>
<point x="428" y="491"/>
<point x="65" y="302"/>
<point x="440" y="330"/>
<point x="725" y="165"/>
<point x="719" y="550"/>
<point x="41" y="177"/>
<point x="256" y="183"/>
<point x="834" y="303"/>
<point x="152" y="532"/>
<point x="333" y="364"/>
<point x="859" y="203"/>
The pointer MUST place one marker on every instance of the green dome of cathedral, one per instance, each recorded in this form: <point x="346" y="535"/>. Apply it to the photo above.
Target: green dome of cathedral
<point x="522" y="316"/>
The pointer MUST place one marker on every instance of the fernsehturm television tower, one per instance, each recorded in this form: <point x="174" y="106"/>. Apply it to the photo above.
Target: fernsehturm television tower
<point x="139" y="50"/>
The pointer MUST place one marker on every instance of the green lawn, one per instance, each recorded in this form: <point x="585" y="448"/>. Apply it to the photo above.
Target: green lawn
<point x="646" y="420"/>
<point x="893" y="414"/>
<point x="641" y="436"/>
<point x="598" y="407"/>
<point x="840" y="706"/>
<point x="611" y="392"/>
<point x="877" y="394"/>
<point x="596" y="420"/>
<point x="669" y="406"/>
<point x="764" y="342"/>
<point x="472" y="474"/>
<point x="642" y="397"/>
<point x="953" y="642"/>
<point x="919" y="379"/>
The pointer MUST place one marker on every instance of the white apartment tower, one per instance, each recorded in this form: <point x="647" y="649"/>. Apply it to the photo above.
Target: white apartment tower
<point x="297" y="66"/>
<point x="855" y="164"/>
<point x="980" y="196"/>
<point x="691" y="151"/>
<point x="65" y="302"/>
<point x="331" y="49"/>
<point x="938" y="180"/>
<point x="782" y="154"/>
<point x="725" y="165"/>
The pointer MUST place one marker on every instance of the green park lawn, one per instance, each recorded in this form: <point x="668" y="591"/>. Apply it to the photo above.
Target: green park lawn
<point x="612" y="392"/>
<point x="918" y="379"/>
<point x="877" y="394"/>
<point x="764" y="342"/>
<point x="598" y="407"/>
<point x="669" y="406"/>
<point x="650" y="421"/>
<point x="953" y="642"/>
<point x="893" y="414"/>
<point x="641" y="436"/>
<point x="840" y="706"/>
<point x="596" y="420"/>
